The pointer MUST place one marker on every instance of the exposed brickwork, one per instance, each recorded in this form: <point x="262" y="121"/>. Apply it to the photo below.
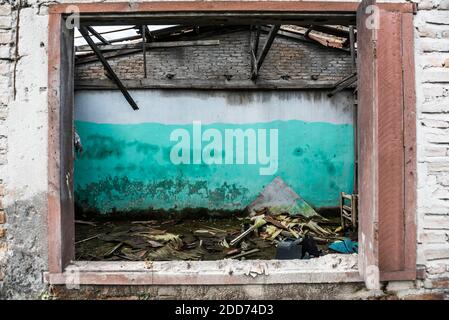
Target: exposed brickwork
<point x="230" y="59"/>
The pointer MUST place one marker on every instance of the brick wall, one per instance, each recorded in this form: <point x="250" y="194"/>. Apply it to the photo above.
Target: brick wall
<point x="287" y="59"/>
<point x="432" y="73"/>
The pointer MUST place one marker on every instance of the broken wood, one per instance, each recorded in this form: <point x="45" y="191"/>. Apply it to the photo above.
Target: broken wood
<point x="204" y="233"/>
<point x="88" y="239"/>
<point x="144" y="222"/>
<point x="244" y="254"/>
<point x="233" y="251"/>
<point x="331" y="31"/>
<point x="108" y="68"/>
<point x="290" y="34"/>
<point x="313" y="226"/>
<point x="316" y="39"/>
<point x="275" y="222"/>
<point x="259" y="222"/>
<point x="111" y="252"/>
<point x="85" y="222"/>
<point x="216" y="229"/>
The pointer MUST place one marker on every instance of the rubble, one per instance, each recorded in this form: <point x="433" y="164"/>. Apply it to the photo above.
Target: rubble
<point x="279" y="225"/>
<point x="263" y="236"/>
<point x="280" y="198"/>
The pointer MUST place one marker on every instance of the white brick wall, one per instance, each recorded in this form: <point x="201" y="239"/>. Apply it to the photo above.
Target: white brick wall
<point x="432" y="84"/>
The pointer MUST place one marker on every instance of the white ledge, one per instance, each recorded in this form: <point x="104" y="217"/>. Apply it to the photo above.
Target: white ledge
<point x="332" y="268"/>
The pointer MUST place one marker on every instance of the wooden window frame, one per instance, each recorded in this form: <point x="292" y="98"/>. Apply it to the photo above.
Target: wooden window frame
<point x="396" y="256"/>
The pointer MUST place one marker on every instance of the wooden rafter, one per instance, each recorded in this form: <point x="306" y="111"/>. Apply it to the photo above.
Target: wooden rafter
<point x="84" y="32"/>
<point x="343" y="84"/>
<point x="261" y="57"/>
<point x="89" y="58"/>
<point x="97" y="35"/>
<point x="256" y="40"/>
<point x="254" y="46"/>
<point x="167" y="44"/>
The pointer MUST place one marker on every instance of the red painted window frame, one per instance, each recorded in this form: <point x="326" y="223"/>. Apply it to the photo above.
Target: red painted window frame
<point x="60" y="148"/>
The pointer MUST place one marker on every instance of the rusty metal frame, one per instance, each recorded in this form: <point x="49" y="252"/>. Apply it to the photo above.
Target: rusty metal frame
<point x="60" y="148"/>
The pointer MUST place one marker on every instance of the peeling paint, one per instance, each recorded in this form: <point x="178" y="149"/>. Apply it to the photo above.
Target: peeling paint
<point x="128" y="167"/>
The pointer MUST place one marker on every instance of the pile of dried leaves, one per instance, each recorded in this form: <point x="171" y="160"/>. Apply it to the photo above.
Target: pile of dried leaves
<point x="253" y="237"/>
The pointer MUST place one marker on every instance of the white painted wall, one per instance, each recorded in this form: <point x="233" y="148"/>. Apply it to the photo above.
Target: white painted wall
<point x="213" y="106"/>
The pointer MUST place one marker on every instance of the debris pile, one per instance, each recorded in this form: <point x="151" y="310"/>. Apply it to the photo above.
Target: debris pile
<point x="279" y="225"/>
<point x="262" y="236"/>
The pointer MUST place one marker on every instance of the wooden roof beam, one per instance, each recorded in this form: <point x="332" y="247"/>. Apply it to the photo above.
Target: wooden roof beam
<point x="346" y="82"/>
<point x="97" y="35"/>
<point x="84" y="32"/>
<point x="166" y="44"/>
<point x="261" y="58"/>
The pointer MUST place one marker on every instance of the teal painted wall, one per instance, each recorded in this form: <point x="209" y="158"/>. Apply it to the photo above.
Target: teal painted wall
<point x="127" y="167"/>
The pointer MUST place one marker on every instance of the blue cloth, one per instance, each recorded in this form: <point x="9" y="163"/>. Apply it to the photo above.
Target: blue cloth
<point x="345" y="246"/>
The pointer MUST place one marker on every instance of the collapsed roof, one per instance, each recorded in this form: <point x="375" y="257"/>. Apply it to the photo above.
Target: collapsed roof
<point x="112" y="43"/>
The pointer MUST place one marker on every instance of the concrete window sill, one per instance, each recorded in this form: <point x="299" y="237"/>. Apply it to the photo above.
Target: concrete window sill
<point x="332" y="268"/>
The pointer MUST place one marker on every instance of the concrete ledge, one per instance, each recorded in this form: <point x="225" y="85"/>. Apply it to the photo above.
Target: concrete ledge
<point x="331" y="268"/>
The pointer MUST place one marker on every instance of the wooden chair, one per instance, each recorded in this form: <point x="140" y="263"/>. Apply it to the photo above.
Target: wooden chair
<point x="348" y="210"/>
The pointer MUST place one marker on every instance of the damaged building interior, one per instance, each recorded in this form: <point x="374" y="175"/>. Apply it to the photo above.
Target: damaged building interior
<point x="215" y="141"/>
